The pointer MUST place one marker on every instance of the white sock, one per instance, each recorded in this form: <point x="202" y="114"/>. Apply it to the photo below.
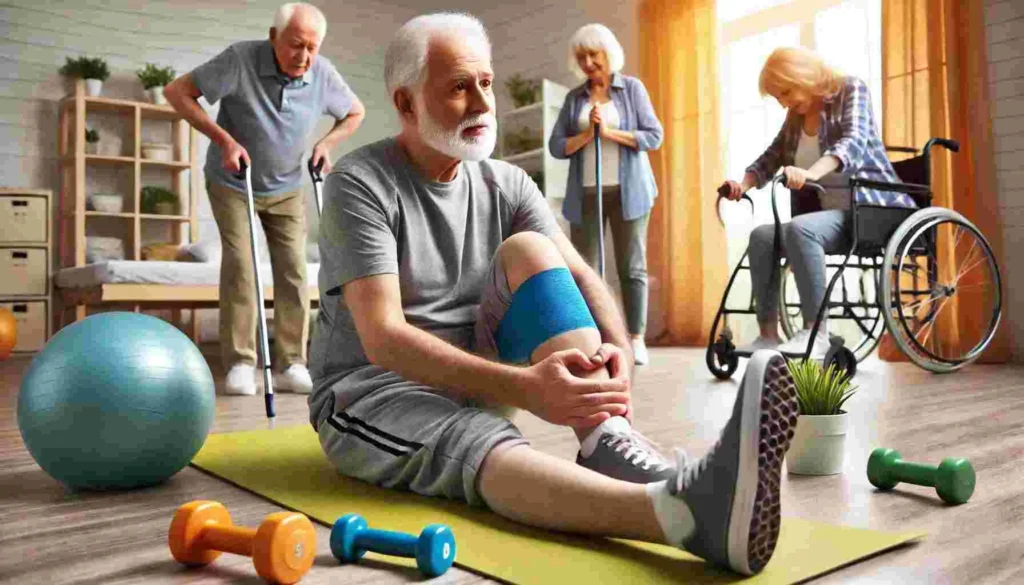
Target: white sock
<point x="673" y="514"/>
<point x="616" y="424"/>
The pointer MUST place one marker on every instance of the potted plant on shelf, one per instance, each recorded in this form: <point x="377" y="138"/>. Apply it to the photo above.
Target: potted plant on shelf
<point x="158" y="200"/>
<point x="93" y="70"/>
<point x="818" y="445"/>
<point x="153" y="80"/>
<point x="524" y="92"/>
<point x="92" y="141"/>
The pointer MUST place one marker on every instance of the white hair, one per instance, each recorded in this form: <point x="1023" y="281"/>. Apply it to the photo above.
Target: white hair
<point x="286" y="12"/>
<point x="595" y="37"/>
<point x="406" y="57"/>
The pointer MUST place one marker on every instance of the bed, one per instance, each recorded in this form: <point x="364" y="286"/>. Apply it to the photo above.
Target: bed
<point x="153" y="285"/>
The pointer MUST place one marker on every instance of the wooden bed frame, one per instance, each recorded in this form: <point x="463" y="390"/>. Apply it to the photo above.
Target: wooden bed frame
<point x="141" y="297"/>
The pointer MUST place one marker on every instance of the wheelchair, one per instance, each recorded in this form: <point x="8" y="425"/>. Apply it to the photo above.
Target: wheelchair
<point x="910" y="283"/>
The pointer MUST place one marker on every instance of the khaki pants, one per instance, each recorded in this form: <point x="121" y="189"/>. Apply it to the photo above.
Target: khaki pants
<point x="284" y="223"/>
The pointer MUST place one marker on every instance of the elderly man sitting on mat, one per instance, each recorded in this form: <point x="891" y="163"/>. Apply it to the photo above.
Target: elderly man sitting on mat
<point x="448" y="293"/>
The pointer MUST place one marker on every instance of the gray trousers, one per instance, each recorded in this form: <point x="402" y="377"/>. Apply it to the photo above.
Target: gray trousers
<point x="630" y="241"/>
<point x="806" y="239"/>
<point x="805" y="242"/>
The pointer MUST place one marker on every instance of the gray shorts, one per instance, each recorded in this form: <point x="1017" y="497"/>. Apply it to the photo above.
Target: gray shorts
<point x="407" y="436"/>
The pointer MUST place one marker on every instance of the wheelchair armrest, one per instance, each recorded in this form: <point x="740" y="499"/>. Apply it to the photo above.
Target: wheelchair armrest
<point x="911" y="188"/>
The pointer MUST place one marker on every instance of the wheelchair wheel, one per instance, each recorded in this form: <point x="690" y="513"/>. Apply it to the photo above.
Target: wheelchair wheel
<point x="844" y="360"/>
<point x="859" y="321"/>
<point x="942" y="309"/>
<point x="721" y="356"/>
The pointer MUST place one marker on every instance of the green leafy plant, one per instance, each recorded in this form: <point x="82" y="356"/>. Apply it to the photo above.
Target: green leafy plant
<point x="153" y="196"/>
<point x="92" y="136"/>
<point x="522" y="141"/>
<point x="820" y="391"/>
<point x="86" y="68"/>
<point x="152" y="76"/>
<point x="523" y="91"/>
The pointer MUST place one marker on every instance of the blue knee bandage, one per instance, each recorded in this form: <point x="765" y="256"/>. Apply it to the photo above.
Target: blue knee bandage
<point x="546" y="305"/>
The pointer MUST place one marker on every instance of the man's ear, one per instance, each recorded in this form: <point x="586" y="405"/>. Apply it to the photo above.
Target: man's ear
<point x="404" y="103"/>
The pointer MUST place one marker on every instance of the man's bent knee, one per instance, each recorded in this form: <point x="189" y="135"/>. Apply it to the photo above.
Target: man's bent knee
<point x="525" y="254"/>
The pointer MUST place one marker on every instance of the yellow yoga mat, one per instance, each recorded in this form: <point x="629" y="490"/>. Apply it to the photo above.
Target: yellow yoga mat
<point x="286" y="466"/>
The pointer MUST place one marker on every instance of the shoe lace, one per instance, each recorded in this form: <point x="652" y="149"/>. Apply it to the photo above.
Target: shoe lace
<point x="690" y="471"/>
<point x="639" y="451"/>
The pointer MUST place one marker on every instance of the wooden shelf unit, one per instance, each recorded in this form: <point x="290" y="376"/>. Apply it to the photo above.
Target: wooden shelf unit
<point x="75" y="164"/>
<point x="73" y="213"/>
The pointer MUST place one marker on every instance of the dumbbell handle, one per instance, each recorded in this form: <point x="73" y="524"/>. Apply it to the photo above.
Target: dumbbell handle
<point x="232" y="539"/>
<point x="398" y="544"/>
<point x="916" y="473"/>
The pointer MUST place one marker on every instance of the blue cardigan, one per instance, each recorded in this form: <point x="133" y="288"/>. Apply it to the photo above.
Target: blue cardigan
<point x="636" y="179"/>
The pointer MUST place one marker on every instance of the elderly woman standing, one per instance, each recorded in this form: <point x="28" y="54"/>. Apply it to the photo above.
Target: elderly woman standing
<point x="620" y="106"/>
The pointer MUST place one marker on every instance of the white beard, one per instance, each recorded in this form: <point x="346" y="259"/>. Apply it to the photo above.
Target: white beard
<point x="452" y="143"/>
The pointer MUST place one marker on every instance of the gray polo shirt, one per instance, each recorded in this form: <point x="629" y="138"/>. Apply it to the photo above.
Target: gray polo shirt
<point x="267" y="112"/>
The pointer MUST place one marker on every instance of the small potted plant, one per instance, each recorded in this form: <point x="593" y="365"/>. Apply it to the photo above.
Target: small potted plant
<point x="93" y="70"/>
<point x="92" y="141"/>
<point x="818" y="445"/>
<point x="524" y="92"/>
<point x="153" y="80"/>
<point x="159" y="200"/>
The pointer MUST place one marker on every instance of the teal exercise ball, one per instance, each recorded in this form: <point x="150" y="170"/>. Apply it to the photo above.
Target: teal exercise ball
<point x="116" y="401"/>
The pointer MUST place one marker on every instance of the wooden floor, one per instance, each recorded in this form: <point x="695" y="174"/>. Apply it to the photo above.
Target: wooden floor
<point x="48" y="535"/>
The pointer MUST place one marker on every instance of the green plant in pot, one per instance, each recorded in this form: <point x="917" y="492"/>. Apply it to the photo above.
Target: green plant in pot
<point x="818" y="446"/>
<point x="153" y="80"/>
<point x="523" y="91"/>
<point x="92" y="141"/>
<point x="93" y="70"/>
<point x="159" y="200"/>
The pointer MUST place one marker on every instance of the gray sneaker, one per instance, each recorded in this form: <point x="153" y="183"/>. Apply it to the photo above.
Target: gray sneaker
<point x="628" y="456"/>
<point x="733" y="492"/>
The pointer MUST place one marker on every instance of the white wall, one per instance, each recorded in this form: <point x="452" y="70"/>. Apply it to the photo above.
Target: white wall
<point x="1005" y="26"/>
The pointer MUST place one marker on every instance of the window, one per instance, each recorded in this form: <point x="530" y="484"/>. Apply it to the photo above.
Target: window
<point x="846" y="33"/>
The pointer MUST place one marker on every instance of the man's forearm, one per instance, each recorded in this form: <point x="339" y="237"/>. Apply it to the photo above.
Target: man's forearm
<point x="190" y="109"/>
<point x="342" y="129"/>
<point x="422" y="357"/>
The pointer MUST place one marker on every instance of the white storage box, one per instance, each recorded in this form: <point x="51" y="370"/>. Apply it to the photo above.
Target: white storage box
<point x="23" y="218"/>
<point x="23" y="271"/>
<point x="98" y="249"/>
<point x="31" y="319"/>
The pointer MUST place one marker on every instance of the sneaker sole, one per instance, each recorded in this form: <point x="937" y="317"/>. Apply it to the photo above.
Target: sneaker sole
<point x="768" y="421"/>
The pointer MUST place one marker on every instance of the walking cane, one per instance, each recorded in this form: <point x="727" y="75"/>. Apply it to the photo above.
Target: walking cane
<point x="314" y="174"/>
<point x="600" y="202"/>
<point x="268" y="396"/>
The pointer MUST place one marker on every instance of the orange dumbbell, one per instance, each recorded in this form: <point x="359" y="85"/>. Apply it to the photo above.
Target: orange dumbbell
<point x="282" y="548"/>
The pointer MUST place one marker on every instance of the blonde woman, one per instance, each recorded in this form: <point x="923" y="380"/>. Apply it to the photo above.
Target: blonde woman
<point x="621" y="107"/>
<point x="829" y="128"/>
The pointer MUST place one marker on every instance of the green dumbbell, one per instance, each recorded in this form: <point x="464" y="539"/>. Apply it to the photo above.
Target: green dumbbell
<point x="953" y="479"/>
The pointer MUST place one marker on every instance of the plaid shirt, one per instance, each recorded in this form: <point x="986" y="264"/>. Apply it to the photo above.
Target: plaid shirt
<point x="847" y="131"/>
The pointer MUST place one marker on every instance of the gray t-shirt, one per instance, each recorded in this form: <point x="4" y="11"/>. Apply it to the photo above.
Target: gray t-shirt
<point x="381" y="216"/>
<point x="268" y="113"/>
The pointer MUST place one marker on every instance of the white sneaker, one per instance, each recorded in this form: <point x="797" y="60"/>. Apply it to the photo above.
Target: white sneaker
<point x="798" y="345"/>
<point x="241" y="380"/>
<point x="640" y="356"/>
<point x="762" y="342"/>
<point x="294" y="379"/>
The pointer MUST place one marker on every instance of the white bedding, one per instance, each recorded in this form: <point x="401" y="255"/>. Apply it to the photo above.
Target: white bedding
<point x="154" y="272"/>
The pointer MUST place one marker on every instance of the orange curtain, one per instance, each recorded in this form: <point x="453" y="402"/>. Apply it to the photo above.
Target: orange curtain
<point x="686" y="245"/>
<point x="935" y="84"/>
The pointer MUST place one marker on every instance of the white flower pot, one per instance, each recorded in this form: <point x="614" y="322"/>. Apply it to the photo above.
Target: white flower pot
<point x="819" y="445"/>
<point x="93" y="87"/>
<point x="156" y="95"/>
<point x="92" y="147"/>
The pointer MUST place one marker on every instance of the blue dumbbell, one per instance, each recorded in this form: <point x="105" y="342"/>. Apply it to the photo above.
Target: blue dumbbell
<point x="433" y="549"/>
